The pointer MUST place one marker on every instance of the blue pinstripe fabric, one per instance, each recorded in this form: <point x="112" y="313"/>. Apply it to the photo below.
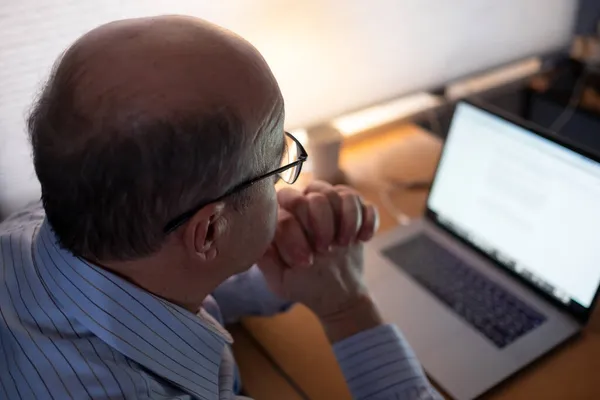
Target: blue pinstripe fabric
<point x="71" y="330"/>
<point x="379" y="364"/>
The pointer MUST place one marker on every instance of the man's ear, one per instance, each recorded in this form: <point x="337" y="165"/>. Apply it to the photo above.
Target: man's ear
<point x="203" y="231"/>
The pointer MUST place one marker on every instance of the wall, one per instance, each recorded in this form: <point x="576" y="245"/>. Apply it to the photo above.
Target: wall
<point x="329" y="56"/>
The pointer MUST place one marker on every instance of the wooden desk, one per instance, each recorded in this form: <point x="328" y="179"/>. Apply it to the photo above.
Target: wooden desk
<point x="297" y="343"/>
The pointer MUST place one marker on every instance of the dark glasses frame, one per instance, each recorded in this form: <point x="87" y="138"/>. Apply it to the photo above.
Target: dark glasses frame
<point x="184" y="217"/>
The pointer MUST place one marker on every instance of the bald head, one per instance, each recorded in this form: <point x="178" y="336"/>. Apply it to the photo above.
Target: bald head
<point x="143" y="118"/>
<point x="156" y="65"/>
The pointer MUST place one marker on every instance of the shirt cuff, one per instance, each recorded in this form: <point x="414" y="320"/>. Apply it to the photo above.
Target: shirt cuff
<point x="379" y="364"/>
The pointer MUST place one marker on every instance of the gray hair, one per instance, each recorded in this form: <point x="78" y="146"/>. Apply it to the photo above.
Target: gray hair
<point x="110" y="184"/>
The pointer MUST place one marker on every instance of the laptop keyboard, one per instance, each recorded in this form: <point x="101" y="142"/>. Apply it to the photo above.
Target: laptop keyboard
<point x="485" y="305"/>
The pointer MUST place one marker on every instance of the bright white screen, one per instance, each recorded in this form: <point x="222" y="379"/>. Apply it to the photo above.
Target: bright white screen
<point x="530" y="199"/>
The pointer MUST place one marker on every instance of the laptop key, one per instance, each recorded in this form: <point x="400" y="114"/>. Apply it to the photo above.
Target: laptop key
<point x="496" y="313"/>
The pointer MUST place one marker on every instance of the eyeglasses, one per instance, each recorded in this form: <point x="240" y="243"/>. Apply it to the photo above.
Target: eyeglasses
<point x="291" y="165"/>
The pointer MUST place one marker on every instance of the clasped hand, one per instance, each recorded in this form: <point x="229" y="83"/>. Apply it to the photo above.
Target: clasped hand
<point x="316" y="257"/>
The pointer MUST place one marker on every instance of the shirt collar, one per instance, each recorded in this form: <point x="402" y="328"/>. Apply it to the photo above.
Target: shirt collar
<point x="170" y="341"/>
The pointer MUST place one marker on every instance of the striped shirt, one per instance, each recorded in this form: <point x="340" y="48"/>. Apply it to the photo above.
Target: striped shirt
<point x="72" y="330"/>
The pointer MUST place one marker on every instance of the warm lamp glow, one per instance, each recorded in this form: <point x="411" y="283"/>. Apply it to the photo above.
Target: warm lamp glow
<point x="375" y="116"/>
<point x="496" y="78"/>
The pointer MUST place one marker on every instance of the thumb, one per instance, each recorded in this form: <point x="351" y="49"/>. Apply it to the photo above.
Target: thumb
<point x="273" y="267"/>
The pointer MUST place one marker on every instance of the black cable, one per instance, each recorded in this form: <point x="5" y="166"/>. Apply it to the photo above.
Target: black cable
<point x="574" y="101"/>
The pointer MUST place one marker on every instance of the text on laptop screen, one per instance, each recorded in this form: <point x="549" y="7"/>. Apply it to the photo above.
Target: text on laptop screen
<point x="532" y="204"/>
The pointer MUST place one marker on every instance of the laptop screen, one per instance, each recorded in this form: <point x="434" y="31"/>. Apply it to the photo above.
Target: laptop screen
<point x="530" y="203"/>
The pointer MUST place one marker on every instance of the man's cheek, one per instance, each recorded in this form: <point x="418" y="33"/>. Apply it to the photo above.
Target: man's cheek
<point x="271" y="224"/>
<point x="271" y="217"/>
<point x="263" y="232"/>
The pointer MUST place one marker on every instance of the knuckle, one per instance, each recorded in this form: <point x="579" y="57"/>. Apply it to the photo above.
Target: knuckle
<point x="350" y="197"/>
<point x="347" y="190"/>
<point x="299" y="203"/>
<point x="317" y="198"/>
<point x="367" y="210"/>
<point x="317" y="186"/>
<point x="286" y="220"/>
<point x="333" y="195"/>
<point x="343" y="188"/>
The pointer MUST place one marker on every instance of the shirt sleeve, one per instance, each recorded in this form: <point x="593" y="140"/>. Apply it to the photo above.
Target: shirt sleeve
<point x="379" y="364"/>
<point x="247" y="294"/>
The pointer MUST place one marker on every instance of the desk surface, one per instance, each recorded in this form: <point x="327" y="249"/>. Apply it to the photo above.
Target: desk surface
<point x="375" y="166"/>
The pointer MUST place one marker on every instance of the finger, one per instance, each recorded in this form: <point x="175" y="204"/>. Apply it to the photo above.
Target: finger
<point x="348" y="212"/>
<point x="322" y="221"/>
<point x="349" y="191"/>
<point x="291" y="242"/>
<point x="329" y="191"/>
<point x="370" y="222"/>
<point x="350" y="218"/>
<point x="296" y="203"/>
<point x="317" y="186"/>
<point x="315" y="214"/>
<point x="335" y="201"/>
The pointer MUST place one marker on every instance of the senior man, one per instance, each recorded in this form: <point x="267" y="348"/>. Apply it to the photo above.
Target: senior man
<point x="157" y="143"/>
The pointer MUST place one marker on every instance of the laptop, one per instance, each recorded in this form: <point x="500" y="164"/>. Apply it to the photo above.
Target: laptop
<point x="505" y="264"/>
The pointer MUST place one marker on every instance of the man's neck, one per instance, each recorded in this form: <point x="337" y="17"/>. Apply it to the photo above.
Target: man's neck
<point x="168" y="278"/>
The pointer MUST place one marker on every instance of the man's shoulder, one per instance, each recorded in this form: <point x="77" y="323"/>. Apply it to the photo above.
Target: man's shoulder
<point x="80" y="365"/>
<point x="31" y="216"/>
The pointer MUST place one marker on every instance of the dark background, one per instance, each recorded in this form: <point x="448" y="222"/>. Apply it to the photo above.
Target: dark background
<point x="587" y="17"/>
